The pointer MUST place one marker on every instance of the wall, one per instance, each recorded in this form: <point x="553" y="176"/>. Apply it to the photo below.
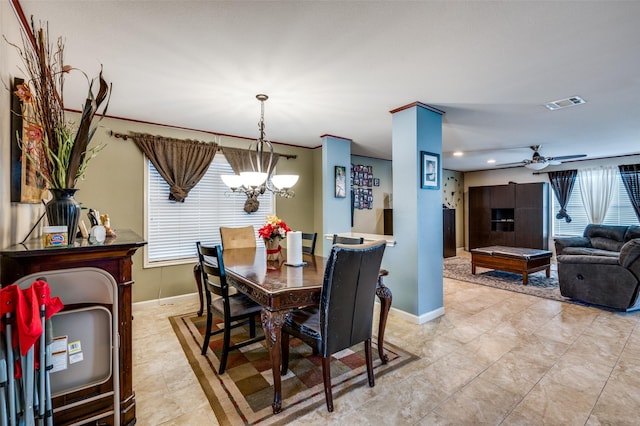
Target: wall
<point x="524" y="175"/>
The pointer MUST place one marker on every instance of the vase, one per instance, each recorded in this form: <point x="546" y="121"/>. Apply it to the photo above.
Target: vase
<point x="273" y="248"/>
<point x="64" y="210"/>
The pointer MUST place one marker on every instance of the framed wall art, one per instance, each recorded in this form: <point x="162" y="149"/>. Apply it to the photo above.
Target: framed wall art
<point x="429" y="170"/>
<point x="341" y="181"/>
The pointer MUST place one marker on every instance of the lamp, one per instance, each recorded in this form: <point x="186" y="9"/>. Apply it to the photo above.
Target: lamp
<point x="536" y="165"/>
<point x="253" y="183"/>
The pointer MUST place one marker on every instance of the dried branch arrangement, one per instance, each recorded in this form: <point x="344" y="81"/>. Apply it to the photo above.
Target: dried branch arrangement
<point x="59" y="150"/>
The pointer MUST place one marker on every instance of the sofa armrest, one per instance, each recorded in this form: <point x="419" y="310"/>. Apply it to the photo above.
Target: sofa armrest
<point x="587" y="259"/>
<point x="562" y="242"/>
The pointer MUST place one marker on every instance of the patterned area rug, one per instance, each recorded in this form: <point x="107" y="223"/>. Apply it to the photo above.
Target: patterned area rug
<point x="244" y="393"/>
<point x="459" y="268"/>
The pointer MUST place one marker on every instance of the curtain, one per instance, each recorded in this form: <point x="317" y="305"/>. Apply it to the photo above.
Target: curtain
<point x="596" y="191"/>
<point x="181" y="163"/>
<point x="562" y="183"/>
<point x="630" y="175"/>
<point x="240" y="161"/>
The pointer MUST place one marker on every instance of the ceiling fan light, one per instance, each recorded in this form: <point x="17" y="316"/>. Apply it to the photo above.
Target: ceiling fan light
<point x="536" y="166"/>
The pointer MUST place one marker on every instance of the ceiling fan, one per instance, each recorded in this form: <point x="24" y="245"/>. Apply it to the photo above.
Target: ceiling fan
<point x="538" y="162"/>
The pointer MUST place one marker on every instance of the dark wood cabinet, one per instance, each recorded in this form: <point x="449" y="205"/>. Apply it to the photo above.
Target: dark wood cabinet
<point x="448" y="232"/>
<point x="388" y="221"/>
<point x="514" y="215"/>
<point x="114" y="256"/>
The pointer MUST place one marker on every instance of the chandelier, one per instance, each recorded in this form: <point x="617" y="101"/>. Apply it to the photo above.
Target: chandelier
<point x="254" y="182"/>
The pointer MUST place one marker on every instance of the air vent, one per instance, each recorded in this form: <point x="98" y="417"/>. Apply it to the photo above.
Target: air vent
<point x="564" y="103"/>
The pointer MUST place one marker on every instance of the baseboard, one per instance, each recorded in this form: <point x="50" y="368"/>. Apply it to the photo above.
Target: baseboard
<point x="414" y="319"/>
<point x="173" y="300"/>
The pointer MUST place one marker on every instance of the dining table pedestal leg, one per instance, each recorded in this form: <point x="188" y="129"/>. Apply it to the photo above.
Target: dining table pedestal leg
<point x="272" y="322"/>
<point x="385" y="296"/>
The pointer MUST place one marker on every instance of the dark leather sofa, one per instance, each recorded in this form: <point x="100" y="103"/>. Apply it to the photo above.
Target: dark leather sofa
<point x="602" y="267"/>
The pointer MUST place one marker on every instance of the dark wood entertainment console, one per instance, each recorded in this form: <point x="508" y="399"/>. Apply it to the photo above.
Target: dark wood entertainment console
<point x="92" y="405"/>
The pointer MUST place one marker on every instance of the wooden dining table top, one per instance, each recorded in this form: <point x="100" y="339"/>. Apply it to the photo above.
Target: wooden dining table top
<point x="272" y="283"/>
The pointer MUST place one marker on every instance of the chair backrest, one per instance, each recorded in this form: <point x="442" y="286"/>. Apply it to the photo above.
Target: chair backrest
<point x="214" y="278"/>
<point x="309" y="238"/>
<point x="244" y="237"/>
<point x="337" y="239"/>
<point x="348" y="293"/>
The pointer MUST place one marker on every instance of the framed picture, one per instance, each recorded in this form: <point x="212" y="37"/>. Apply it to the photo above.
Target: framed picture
<point x="429" y="168"/>
<point x="27" y="185"/>
<point x="341" y="181"/>
<point x="376" y="182"/>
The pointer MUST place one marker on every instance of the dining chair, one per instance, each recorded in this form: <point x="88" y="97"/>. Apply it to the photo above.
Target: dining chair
<point x="337" y="239"/>
<point x="309" y="243"/>
<point x="345" y="315"/>
<point x="243" y="237"/>
<point x="236" y="309"/>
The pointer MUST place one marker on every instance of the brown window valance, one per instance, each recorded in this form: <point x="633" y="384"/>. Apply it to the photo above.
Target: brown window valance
<point x="181" y="163"/>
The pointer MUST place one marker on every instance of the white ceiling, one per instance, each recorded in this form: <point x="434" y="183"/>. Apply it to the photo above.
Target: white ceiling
<point x="339" y="67"/>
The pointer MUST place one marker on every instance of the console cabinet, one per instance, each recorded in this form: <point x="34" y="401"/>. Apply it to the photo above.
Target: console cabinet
<point x="92" y="405"/>
<point x="514" y="215"/>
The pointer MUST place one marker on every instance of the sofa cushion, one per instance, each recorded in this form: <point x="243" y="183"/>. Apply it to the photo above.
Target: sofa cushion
<point x="632" y="232"/>
<point x="589" y="251"/>
<point x="630" y="256"/>
<point x="611" y="232"/>
<point x="603" y="243"/>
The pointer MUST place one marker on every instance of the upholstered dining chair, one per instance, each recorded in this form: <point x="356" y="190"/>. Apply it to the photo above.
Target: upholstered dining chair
<point x="337" y="239"/>
<point x="309" y="243"/>
<point x="345" y="315"/>
<point x="242" y="237"/>
<point x="236" y="309"/>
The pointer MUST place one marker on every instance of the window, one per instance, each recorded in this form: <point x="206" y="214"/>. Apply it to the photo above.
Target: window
<point x="620" y="211"/>
<point x="173" y="228"/>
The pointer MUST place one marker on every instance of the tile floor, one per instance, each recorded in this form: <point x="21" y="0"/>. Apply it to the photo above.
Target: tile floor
<point x="495" y="357"/>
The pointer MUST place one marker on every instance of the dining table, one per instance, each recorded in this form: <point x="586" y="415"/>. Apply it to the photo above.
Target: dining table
<point x="280" y="288"/>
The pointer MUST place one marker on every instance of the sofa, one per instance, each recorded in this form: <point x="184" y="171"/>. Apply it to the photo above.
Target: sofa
<point x="602" y="267"/>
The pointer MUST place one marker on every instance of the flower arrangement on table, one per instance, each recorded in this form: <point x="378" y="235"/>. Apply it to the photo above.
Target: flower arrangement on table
<point x="274" y="230"/>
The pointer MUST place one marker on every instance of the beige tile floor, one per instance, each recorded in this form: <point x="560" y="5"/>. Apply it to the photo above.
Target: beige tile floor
<point x="495" y="357"/>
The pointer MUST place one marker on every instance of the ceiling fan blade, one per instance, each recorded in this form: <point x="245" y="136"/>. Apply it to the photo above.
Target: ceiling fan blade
<point x="566" y="157"/>
<point x="518" y="163"/>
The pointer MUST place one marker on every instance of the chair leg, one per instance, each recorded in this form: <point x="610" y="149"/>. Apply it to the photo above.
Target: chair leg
<point x="284" y="353"/>
<point x="207" y="334"/>
<point x="326" y="377"/>
<point x="225" y="350"/>
<point x="369" y="358"/>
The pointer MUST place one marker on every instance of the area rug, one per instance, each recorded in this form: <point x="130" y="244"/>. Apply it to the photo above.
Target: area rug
<point x="244" y="393"/>
<point x="459" y="268"/>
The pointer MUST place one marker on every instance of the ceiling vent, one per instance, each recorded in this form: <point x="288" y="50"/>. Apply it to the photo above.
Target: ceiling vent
<point x="564" y="103"/>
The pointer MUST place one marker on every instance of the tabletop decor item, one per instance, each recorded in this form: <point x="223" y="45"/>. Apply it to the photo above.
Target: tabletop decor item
<point x="273" y="231"/>
<point x="57" y="148"/>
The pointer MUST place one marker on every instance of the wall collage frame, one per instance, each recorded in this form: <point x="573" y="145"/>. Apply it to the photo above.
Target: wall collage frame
<point x="362" y="181"/>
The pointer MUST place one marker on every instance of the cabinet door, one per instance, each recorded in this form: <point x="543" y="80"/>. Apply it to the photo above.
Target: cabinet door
<point x="503" y="196"/>
<point x="479" y="216"/>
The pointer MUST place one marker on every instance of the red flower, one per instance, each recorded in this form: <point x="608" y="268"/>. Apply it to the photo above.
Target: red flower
<point x="274" y="227"/>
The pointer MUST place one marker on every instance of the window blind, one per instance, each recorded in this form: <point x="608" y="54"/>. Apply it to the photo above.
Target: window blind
<point x="173" y="228"/>
<point x="620" y="211"/>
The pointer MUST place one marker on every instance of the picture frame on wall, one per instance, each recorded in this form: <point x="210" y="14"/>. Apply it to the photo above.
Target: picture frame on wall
<point x="429" y="170"/>
<point x="341" y="181"/>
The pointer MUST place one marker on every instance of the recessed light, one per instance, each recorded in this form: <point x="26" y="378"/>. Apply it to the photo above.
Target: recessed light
<point x="458" y="154"/>
<point x="564" y="103"/>
<point x="491" y="161"/>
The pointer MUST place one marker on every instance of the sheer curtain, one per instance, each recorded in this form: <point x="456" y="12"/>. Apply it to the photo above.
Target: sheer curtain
<point x="596" y="191"/>
<point x="631" y="178"/>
